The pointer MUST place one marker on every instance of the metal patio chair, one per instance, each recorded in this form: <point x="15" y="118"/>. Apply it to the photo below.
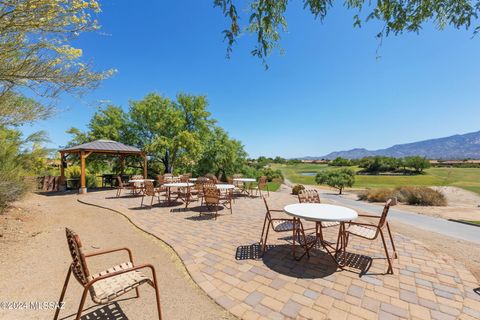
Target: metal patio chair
<point x="283" y="225"/>
<point x="150" y="191"/>
<point x="371" y="231"/>
<point x="122" y="186"/>
<point x="212" y="199"/>
<point x="107" y="285"/>
<point x="262" y="184"/>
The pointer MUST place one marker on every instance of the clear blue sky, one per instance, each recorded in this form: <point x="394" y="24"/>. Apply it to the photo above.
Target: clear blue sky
<point x="327" y="92"/>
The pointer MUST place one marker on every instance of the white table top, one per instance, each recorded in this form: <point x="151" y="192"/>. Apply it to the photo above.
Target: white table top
<point x="245" y="179"/>
<point x="224" y="186"/>
<point x="178" y="184"/>
<point x="140" y="180"/>
<point x="320" y="212"/>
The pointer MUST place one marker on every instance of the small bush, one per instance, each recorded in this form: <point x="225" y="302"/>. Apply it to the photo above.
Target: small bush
<point x="297" y="188"/>
<point x="421" y="196"/>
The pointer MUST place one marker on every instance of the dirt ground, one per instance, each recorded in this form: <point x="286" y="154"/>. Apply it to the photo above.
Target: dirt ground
<point x="34" y="262"/>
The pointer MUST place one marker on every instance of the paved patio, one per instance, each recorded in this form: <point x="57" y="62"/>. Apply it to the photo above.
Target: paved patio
<point x="222" y="258"/>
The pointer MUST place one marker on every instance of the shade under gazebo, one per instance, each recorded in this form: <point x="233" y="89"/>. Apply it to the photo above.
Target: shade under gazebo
<point x="108" y="147"/>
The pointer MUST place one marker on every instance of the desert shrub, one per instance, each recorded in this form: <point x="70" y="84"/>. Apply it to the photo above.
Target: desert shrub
<point x="376" y="195"/>
<point x="297" y="188"/>
<point x="421" y="196"/>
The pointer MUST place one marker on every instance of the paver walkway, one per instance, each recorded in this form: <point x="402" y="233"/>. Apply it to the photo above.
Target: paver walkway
<point x="222" y="257"/>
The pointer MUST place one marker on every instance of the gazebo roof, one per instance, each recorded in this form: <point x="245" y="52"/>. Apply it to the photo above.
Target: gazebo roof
<point x="103" y="146"/>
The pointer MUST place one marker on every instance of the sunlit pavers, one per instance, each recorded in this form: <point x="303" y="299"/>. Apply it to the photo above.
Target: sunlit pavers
<point x="222" y="257"/>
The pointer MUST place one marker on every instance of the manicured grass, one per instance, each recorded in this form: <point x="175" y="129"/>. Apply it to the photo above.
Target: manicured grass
<point x="273" y="186"/>
<point x="473" y="221"/>
<point x="466" y="178"/>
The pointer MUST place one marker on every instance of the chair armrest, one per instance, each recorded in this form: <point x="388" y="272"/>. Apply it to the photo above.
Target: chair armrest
<point x="116" y="273"/>
<point x="93" y="254"/>
<point x="369" y="216"/>
<point x="363" y="224"/>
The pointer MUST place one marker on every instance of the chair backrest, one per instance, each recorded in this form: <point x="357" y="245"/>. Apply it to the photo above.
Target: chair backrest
<point x="120" y="182"/>
<point x="203" y="179"/>
<point x="137" y="177"/>
<point x="383" y="219"/>
<point x="230" y="180"/>
<point x="160" y="179"/>
<point x="168" y="177"/>
<point x="268" y="216"/>
<point x="262" y="181"/>
<point x="184" y="178"/>
<point x="212" y="177"/>
<point x="149" y="188"/>
<point x="211" y="194"/>
<point x="308" y="196"/>
<point x="237" y="175"/>
<point x="79" y="264"/>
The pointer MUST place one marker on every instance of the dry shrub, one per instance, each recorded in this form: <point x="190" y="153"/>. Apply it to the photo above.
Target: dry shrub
<point x="421" y="196"/>
<point x="297" y="188"/>
<point x="376" y="195"/>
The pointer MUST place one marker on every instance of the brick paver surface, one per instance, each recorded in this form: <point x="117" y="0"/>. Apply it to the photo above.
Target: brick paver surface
<point x="222" y="258"/>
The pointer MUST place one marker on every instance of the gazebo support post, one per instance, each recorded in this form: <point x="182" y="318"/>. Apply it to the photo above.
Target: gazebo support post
<point x="83" y="180"/>
<point x="62" y="181"/>
<point x="122" y="163"/>
<point x="144" y="165"/>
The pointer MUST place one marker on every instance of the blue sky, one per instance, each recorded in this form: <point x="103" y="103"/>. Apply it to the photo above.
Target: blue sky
<point x="329" y="91"/>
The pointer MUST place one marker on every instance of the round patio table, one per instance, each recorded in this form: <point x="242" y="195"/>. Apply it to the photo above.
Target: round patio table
<point x="223" y="186"/>
<point x="244" y="181"/>
<point x="171" y="185"/>
<point x="319" y="212"/>
<point x="140" y="180"/>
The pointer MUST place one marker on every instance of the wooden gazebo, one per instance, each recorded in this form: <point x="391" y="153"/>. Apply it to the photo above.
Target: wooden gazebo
<point x="107" y="147"/>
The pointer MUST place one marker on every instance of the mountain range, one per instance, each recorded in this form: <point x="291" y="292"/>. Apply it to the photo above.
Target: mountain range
<point x="459" y="146"/>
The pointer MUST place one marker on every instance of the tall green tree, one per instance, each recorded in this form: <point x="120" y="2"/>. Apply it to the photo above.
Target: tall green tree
<point x="171" y="131"/>
<point x="267" y="18"/>
<point x="222" y="155"/>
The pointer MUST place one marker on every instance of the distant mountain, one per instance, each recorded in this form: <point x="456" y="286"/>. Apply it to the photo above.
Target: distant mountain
<point x="460" y="146"/>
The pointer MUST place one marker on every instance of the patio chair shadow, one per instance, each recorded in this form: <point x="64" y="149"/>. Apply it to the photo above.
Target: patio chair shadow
<point x="111" y="311"/>
<point x="202" y="217"/>
<point x="477" y="290"/>
<point x="279" y="259"/>
<point x="358" y="262"/>
<point x="250" y="252"/>
<point x="203" y="209"/>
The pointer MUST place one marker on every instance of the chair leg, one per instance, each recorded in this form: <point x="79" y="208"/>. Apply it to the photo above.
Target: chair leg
<point x="157" y="294"/>
<point x="62" y="295"/>
<point x="151" y="202"/>
<point x="268" y="191"/>
<point x="263" y="229"/>
<point x="141" y="204"/>
<point x="395" y="256"/>
<point x="264" y="245"/>
<point x="82" y="302"/>
<point x="390" y="268"/>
